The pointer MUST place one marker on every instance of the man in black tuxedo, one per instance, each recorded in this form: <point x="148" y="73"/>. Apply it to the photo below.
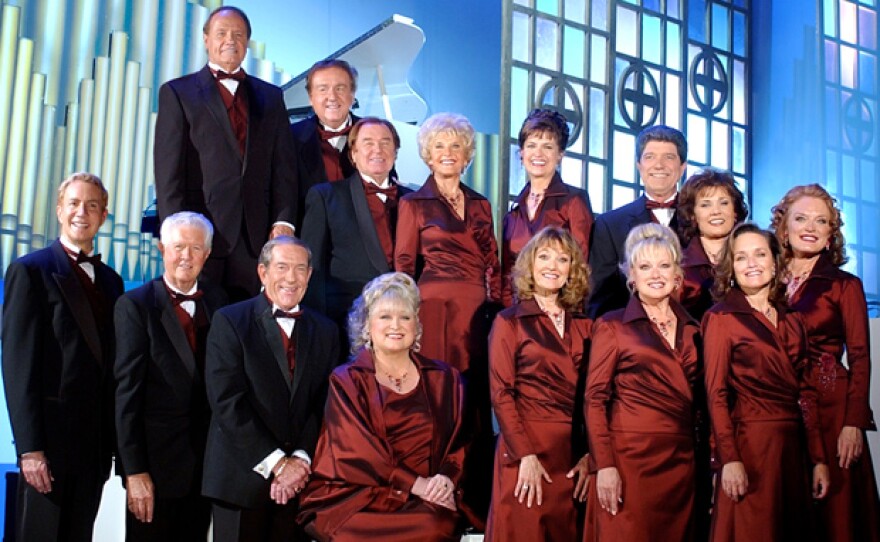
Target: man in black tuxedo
<point x="661" y="158"/>
<point x="322" y="143"/>
<point x="223" y="149"/>
<point x="162" y="411"/>
<point x="57" y="370"/>
<point x="350" y="224"/>
<point x="269" y="359"/>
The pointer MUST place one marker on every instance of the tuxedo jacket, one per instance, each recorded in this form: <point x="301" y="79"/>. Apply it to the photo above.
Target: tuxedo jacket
<point x="162" y="411"/>
<point x="199" y="167"/>
<point x="609" y="291"/>
<point x="256" y="407"/>
<point x="346" y="252"/>
<point x="310" y="161"/>
<point x="57" y="361"/>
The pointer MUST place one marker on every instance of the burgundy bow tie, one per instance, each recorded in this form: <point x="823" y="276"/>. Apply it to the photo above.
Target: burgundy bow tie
<point x="371" y="188"/>
<point x="329" y="134"/>
<point x="177" y="298"/>
<point x="285" y="314"/>
<point x="651" y="204"/>
<point x="238" y="76"/>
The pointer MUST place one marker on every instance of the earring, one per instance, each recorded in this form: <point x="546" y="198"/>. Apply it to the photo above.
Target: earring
<point x="416" y="346"/>
<point x="732" y="283"/>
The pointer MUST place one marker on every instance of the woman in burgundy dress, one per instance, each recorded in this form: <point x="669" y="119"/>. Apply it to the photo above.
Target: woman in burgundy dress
<point x="644" y="362"/>
<point x="545" y="200"/>
<point x="536" y="360"/>
<point x="389" y="456"/>
<point x="709" y="206"/>
<point x="446" y="241"/>
<point x="808" y="225"/>
<point x="759" y="402"/>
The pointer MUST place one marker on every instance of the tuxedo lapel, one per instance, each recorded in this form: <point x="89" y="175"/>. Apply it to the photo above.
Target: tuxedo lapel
<point x="172" y="326"/>
<point x="312" y="158"/>
<point x="273" y="338"/>
<point x="210" y="97"/>
<point x="303" y="332"/>
<point x="366" y="224"/>
<point x="77" y="301"/>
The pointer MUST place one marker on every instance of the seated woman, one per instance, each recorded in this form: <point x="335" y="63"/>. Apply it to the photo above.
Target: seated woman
<point x="389" y="455"/>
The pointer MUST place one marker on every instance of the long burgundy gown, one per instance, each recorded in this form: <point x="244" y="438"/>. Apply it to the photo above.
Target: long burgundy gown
<point x="563" y="205"/>
<point x="759" y="403"/>
<point x="833" y="306"/>
<point x="533" y="377"/>
<point x="374" y="444"/>
<point x="639" y="408"/>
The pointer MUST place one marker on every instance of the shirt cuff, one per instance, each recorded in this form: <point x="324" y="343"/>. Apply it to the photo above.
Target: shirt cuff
<point x="283" y="223"/>
<point x="264" y="467"/>
<point x="302" y="455"/>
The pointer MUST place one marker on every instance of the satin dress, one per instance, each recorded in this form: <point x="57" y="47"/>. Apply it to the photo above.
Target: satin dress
<point x="533" y="376"/>
<point x="374" y="444"/>
<point x="451" y="259"/>
<point x="833" y="306"/>
<point x="639" y="409"/>
<point x="563" y="205"/>
<point x="699" y="277"/>
<point x="760" y="403"/>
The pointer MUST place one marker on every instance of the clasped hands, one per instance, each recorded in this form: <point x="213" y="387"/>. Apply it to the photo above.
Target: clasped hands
<point x="437" y="489"/>
<point x="290" y="477"/>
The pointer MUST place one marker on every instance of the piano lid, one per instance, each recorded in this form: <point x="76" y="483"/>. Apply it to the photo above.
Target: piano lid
<point x="383" y="57"/>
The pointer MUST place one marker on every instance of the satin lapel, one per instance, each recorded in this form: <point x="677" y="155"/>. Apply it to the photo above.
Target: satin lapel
<point x="273" y="338"/>
<point x="366" y="225"/>
<point x="312" y="156"/>
<point x="172" y="327"/>
<point x="76" y="299"/>
<point x="210" y="96"/>
<point x="432" y="386"/>
<point x="255" y="120"/>
<point x="303" y="331"/>
<point x="640" y="214"/>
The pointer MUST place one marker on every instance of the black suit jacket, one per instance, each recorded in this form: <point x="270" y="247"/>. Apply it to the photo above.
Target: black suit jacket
<point x="346" y="252"/>
<point x="256" y="407"/>
<point x="609" y="291"/>
<point x="309" y="160"/>
<point x="199" y="167"/>
<point x="162" y="411"/>
<point x="57" y="361"/>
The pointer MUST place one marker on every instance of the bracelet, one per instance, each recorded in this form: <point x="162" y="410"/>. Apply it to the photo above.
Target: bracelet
<point x="281" y="468"/>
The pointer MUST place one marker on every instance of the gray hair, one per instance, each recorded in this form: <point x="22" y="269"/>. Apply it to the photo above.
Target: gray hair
<point x="186" y="218"/>
<point x="446" y="123"/>
<point x="398" y="287"/>
<point x="266" y="252"/>
<point x="650" y="238"/>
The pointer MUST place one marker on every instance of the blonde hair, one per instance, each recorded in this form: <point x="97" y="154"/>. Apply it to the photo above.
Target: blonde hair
<point x="650" y="238"/>
<point x="83" y="177"/>
<point x="395" y="287"/>
<point x="576" y="288"/>
<point x="446" y="123"/>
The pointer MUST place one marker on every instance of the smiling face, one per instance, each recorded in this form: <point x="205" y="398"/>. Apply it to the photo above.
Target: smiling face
<point x="809" y="226"/>
<point x="753" y="264"/>
<point x="540" y="156"/>
<point x="373" y="151"/>
<point x="392" y="326"/>
<point x="447" y="155"/>
<point x="286" y="277"/>
<point x="654" y="274"/>
<point x="660" y="168"/>
<point x="183" y="254"/>
<point x="550" y="269"/>
<point x="81" y="213"/>
<point x="226" y="40"/>
<point x="331" y="94"/>
<point x="714" y="213"/>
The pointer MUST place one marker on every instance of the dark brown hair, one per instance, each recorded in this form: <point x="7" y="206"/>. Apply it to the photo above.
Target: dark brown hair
<point x="697" y="184"/>
<point x="725" y="278"/>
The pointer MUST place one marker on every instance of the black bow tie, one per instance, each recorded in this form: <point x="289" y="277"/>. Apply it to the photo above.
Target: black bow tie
<point x="651" y="204"/>
<point x="177" y="298"/>
<point x="284" y="314"/>
<point x="82" y="257"/>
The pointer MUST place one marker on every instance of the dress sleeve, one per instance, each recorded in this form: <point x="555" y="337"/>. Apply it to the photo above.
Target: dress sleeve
<point x="718" y="351"/>
<point x="502" y="386"/>
<point x="604" y="356"/>
<point x="407" y="239"/>
<point x="854" y="313"/>
<point x="808" y="397"/>
<point x="580" y="221"/>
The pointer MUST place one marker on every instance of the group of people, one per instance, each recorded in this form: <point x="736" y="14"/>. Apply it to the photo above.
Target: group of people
<point x="329" y="354"/>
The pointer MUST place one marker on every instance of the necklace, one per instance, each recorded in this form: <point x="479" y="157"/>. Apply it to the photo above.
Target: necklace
<point x="664" y="326"/>
<point x="397" y="382"/>
<point x="768" y="312"/>
<point x="795" y="282"/>
<point x="454" y="198"/>
<point x="558" y="318"/>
